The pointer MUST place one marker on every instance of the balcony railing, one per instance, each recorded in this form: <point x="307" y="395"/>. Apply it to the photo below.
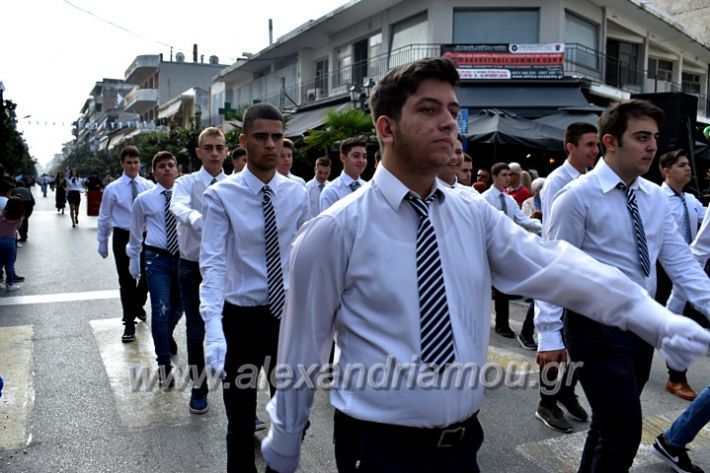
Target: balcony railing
<point x="580" y="61"/>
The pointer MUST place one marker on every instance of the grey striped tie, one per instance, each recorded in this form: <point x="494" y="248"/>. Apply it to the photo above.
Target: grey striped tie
<point x="170" y="226"/>
<point x="503" y="203"/>
<point x="134" y="190"/>
<point x="437" y="337"/>
<point x="274" y="275"/>
<point x="688" y="233"/>
<point x="638" y="228"/>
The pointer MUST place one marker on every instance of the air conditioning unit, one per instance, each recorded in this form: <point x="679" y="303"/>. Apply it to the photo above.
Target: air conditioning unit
<point x="314" y="94"/>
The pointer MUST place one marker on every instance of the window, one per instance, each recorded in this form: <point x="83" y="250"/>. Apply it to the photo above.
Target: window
<point x="660" y="69"/>
<point x="321" y="82"/>
<point x="496" y="26"/>
<point x="581" y="41"/>
<point x="622" y="63"/>
<point x="376" y="66"/>
<point x="343" y="66"/>
<point x="691" y="83"/>
<point x="405" y="36"/>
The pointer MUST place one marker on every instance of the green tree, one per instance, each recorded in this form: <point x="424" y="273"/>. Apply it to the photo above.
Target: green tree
<point x="339" y="125"/>
<point x="14" y="153"/>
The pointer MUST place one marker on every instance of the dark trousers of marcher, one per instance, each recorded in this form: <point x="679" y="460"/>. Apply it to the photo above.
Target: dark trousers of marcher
<point x="252" y="336"/>
<point x="190" y="279"/>
<point x="24" y="226"/>
<point x="133" y="295"/>
<point x="370" y="447"/>
<point x="616" y="366"/>
<point x="528" y="328"/>
<point x="502" y="309"/>
<point x="556" y="384"/>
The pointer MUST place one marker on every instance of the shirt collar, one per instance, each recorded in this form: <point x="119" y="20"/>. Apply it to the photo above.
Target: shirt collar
<point x="206" y="177"/>
<point x="255" y="184"/>
<point x="346" y="179"/>
<point x="394" y="190"/>
<point x="159" y="188"/>
<point x="608" y="179"/>
<point x="126" y="179"/>
<point x="571" y="169"/>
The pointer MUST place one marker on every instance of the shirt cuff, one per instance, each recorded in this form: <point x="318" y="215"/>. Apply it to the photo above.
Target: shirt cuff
<point x="675" y="303"/>
<point x="195" y="220"/>
<point x="548" y="341"/>
<point x="287" y="445"/>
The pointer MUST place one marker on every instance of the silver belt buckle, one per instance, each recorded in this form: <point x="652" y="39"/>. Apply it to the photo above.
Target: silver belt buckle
<point x="450" y="437"/>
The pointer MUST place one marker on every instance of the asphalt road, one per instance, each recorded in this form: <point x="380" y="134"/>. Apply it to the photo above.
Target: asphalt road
<point x="68" y="404"/>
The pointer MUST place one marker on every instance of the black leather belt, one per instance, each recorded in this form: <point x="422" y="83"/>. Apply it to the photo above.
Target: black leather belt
<point x="162" y="251"/>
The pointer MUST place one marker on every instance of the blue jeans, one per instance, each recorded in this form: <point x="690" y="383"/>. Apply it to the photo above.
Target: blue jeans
<point x="190" y="279"/>
<point x="694" y="418"/>
<point x="161" y="270"/>
<point x="8" y="253"/>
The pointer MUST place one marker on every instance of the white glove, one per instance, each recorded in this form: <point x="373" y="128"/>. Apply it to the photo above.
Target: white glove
<point x="134" y="267"/>
<point x="276" y="461"/>
<point x="683" y="341"/>
<point x="103" y="248"/>
<point x="215" y="346"/>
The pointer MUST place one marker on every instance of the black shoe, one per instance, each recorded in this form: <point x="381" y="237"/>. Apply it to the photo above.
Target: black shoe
<point x="505" y="332"/>
<point x="573" y="408"/>
<point x="553" y="418"/>
<point x="142" y="317"/>
<point x="676" y="457"/>
<point x="173" y="346"/>
<point x="129" y="333"/>
<point x="166" y="377"/>
<point x="19" y="278"/>
<point x="527" y="342"/>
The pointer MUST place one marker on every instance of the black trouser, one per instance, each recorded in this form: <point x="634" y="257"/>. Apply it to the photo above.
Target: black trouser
<point x="252" y="336"/>
<point x="616" y="366"/>
<point x="190" y="279"/>
<point x="370" y="447"/>
<point x="133" y="296"/>
<point x="501" y="307"/>
<point x="29" y="207"/>
<point x="555" y="385"/>
<point x="528" y="328"/>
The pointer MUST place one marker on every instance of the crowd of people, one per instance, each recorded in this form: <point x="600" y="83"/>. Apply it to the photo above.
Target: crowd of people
<point x="276" y="273"/>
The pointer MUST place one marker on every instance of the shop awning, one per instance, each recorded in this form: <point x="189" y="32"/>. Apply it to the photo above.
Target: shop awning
<point x="299" y="122"/>
<point x="170" y="110"/>
<point x="526" y="100"/>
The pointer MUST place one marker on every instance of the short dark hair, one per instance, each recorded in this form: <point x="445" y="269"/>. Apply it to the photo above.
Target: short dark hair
<point x="467" y="158"/>
<point x="260" y="111"/>
<point x="238" y="152"/>
<point x="575" y="130"/>
<point x="390" y="93"/>
<point x="14" y="210"/>
<point x="323" y="161"/>
<point x="162" y="156"/>
<point x="498" y="167"/>
<point x="614" y="120"/>
<point x="350" y="143"/>
<point x="130" y="151"/>
<point x="668" y="159"/>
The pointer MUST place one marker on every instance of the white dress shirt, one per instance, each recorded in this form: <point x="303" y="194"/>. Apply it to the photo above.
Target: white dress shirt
<point x="457" y="185"/>
<point x="354" y="277"/>
<point x="314" y="191"/>
<point x="700" y="248"/>
<point x="296" y="178"/>
<point x="75" y="184"/>
<point x="232" y="253"/>
<point x="187" y="208"/>
<point x="116" y="204"/>
<point x="512" y="211"/>
<point x="548" y="317"/>
<point x="591" y="213"/>
<point x="148" y="217"/>
<point x="337" y="189"/>
<point x="696" y="211"/>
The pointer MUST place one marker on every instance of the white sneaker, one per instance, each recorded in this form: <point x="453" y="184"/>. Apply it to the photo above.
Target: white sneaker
<point x="13" y="287"/>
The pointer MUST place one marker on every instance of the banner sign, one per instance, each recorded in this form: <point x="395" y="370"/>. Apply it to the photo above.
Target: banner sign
<point x="517" y="61"/>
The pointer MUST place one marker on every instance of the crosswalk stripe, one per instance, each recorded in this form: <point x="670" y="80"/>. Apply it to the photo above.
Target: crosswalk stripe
<point x="60" y="297"/>
<point x="17" y="398"/>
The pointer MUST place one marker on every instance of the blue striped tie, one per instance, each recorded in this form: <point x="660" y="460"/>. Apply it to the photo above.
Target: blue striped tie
<point x="688" y="233"/>
<point x="134" y="190"/>
<point x="355" y="185"/>
<point x="274" y="275"/>
<point x="170" y="225"/>
<point x="437" y="337"/>
<point x="638" y="228"/>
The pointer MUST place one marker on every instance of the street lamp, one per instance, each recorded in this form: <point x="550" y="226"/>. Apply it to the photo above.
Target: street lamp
<point x="359" y="94"/>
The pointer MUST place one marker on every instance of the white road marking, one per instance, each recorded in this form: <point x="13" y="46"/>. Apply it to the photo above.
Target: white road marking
<point x="60" y="297"/>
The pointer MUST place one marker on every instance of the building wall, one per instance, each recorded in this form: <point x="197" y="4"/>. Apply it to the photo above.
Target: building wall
<point x="177" y="77"/>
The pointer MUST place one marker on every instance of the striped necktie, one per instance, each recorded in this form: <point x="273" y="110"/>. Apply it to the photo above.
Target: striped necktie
<point x="213" y="181"/>
<point x="688" y="233"/>
<point x="321" y="186"/>
<point x="274" y="275"/>
<point x="638" y="228"/>
<point x="134" y="190"/>
<point x="355" y="185"/>
<point x="503" y="203"/>
<point x="437" y="336"/>
<point x="170" y="226"/>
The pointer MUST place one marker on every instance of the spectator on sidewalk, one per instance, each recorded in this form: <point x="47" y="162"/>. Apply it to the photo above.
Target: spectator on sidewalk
<point x="28" y="202"/>
<point x="10" y="220"/>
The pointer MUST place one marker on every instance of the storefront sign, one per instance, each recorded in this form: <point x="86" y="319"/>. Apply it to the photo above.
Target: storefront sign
<point x="507" y="61"/>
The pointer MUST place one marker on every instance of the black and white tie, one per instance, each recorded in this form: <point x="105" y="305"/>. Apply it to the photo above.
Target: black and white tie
<point x="170" y="226"/>
<point x="213" y="181"/>
<point x="503" y="203"/>
<point x="134" y="190"/>
<point x="274" y="275"/>
<point x="437" y="337"/>
<point x="688" y="233"/>
<point x="355" y="185"/>
<point x="638" y="228"/>
<point x="321" y="186"/>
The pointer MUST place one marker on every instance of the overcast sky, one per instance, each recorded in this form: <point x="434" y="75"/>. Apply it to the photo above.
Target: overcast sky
<point x="53" y="51"/>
